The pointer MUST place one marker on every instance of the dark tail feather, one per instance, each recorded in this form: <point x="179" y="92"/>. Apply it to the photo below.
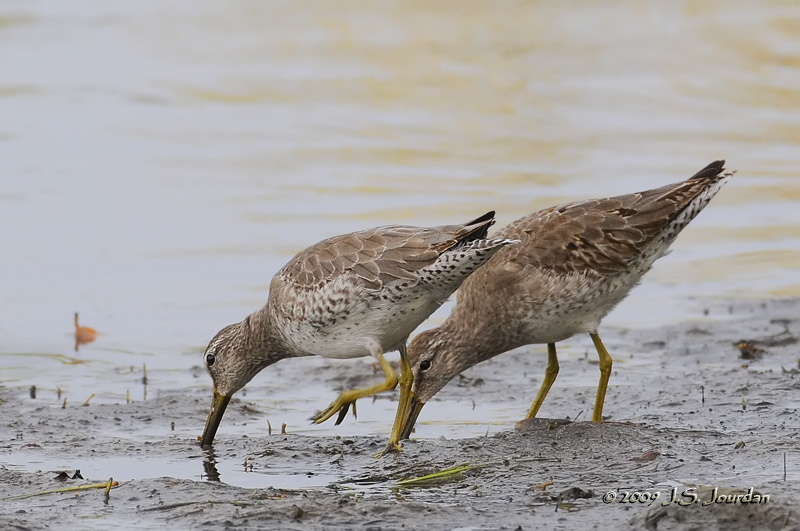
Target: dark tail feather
<point x="481" y="229"/>
<point x="710" y="171"/>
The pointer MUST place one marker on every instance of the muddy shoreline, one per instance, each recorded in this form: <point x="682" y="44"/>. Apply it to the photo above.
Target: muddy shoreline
<point x="685" y="410"/>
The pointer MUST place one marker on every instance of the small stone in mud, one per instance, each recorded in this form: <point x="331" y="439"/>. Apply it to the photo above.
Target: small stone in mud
<point x="649" y="455"/>
<point x="574" y="493"/>
<point x="63" y="475"/>
<point x="295" y="512"/>
<point x="750" y="351"/>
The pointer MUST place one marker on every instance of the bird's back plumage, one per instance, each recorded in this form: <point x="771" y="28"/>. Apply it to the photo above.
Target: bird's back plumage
<point x="575" y="262"/>
<point x="343" y="295"/>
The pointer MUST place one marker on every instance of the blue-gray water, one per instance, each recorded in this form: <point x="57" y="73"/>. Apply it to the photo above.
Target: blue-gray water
<point x="162" y="160"/>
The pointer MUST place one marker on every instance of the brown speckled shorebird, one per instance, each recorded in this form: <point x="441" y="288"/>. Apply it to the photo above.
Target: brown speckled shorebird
<point x="574" y="264"/>
<point x="349" y="296"/>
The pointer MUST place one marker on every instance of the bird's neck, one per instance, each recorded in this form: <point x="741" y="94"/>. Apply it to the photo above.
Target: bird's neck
<point x="262" y="338"/>
<point x="474" y="337"/>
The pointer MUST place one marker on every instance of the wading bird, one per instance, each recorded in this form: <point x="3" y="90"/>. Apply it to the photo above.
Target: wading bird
<point x="358" y="294"/>
<point x="574" y="264"/>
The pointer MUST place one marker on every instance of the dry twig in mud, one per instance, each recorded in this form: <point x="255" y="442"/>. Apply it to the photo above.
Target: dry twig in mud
<point x="447" y="474"/>
<point x="436" y="476"/>
<point x="144" y="380"/>
<point x="380" y="478"/>
<point x="108" y="485"/>
<point x="108" y="490"/>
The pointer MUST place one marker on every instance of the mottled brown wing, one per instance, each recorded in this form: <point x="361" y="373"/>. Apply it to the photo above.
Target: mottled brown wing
<point x="378" y="256"/>
<point x="603" y="235"/>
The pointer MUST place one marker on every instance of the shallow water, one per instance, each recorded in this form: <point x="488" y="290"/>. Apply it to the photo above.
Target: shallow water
<point x="130" y="468"/>
<point x="161" y="162"/>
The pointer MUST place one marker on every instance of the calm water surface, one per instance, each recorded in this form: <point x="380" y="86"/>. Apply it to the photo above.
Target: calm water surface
<point x="162" y="161"/>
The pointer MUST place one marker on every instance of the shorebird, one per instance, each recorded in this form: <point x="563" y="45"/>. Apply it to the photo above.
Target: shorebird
<point x="354" y="295"/>
<point x="574" y="263"/>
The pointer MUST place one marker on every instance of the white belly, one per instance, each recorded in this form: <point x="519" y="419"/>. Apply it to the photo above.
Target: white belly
<point x="365" y="329"/>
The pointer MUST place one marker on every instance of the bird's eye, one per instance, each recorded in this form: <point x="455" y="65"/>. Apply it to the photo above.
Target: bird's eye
<point x="425" y="365"/>
<point x="210" y="359"/>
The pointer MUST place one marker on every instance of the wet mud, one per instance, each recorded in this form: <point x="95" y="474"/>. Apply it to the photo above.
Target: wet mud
<point x="692" y="416"/>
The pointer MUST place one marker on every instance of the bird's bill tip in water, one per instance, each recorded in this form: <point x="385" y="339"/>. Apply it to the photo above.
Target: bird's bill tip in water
<point x="410" y="417"/>
<point x="218" y="404"/>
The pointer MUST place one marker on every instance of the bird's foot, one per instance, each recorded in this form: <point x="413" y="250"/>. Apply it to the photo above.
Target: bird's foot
<point x="391" y="448"/>
<point x="341" y="404"/>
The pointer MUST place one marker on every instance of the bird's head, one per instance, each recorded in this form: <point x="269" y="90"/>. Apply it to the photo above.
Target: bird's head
<point x="435" y="360"/>
<point x="231" y="362"/>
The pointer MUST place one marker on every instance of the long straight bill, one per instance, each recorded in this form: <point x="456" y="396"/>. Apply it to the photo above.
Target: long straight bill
<point x="218" y="404"/>
<point x="411" y="417"/>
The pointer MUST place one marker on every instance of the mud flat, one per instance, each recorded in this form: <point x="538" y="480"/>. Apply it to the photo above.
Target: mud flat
<point x="692" y="413"/>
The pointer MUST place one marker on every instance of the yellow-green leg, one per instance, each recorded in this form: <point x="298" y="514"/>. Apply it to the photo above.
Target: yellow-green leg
<point x="403" y="406"/>
<point x="605" y="373"/>
<point x="550" y="374"/>
<point x="348" y="398"/>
